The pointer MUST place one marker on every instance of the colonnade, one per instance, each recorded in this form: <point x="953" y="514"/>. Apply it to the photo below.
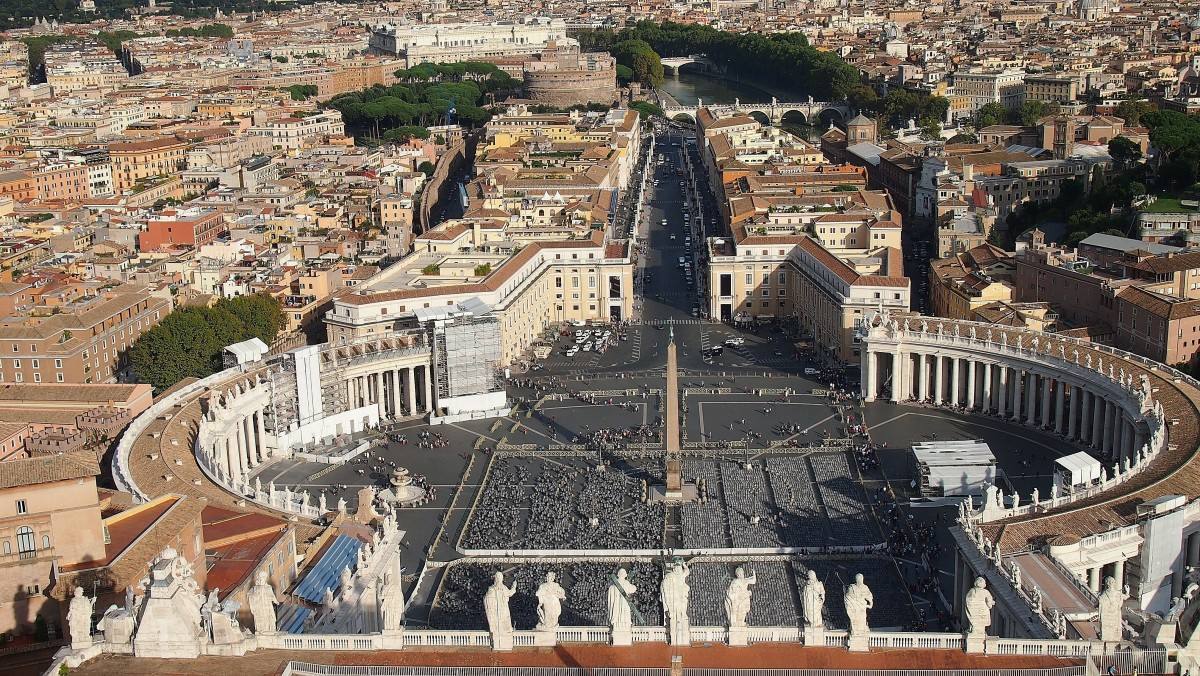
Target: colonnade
<point x="398" y="392"/>
<point x="1044" y="397"/>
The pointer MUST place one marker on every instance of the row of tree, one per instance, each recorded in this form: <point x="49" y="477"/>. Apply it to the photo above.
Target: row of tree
<point x="427" y="95"/>
<point x="784" y="60"/>
<point x="1177" y="137"/>
<point x="188" y="342"/>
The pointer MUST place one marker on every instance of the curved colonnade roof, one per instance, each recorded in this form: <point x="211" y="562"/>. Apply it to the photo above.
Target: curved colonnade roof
<point x="1174" y="471"/>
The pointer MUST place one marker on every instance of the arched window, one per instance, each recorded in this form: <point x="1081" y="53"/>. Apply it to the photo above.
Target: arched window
<point x="45" y="542"/>
<point x="7" y="548"/>
<point x="26" y="545"/>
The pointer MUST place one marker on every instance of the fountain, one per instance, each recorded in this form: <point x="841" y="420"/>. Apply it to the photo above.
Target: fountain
<point x="403" y="492"/>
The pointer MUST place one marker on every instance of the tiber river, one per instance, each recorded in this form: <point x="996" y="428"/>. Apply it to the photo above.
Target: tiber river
<point x="690" y="86"/>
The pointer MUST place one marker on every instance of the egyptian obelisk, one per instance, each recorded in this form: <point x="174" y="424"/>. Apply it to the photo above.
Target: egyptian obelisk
<point x="674" y="486"/>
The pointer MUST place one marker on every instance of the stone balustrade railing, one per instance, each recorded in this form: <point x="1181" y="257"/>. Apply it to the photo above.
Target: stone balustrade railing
<point x="270" y="498"/>
<point x="122" y="475"/>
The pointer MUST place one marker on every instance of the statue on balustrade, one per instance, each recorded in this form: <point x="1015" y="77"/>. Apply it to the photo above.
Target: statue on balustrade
<point x="859" y="600"/>
<point x="79" y="619"/>
<point x="495" y="607"/>
<point x="978" y="607"/>
<point x="620" y="600"/>
<point x="550" y="596"/>
<point x="737" y="597"/>
<point x="674" y="595"/>
<point x="262" y="604"/>
<point x="814" y="601"/>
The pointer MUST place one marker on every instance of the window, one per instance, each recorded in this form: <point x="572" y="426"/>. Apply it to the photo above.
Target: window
<point x="7" y="548"/>
<point x="22" y="508"/>
<point x="25" y="543"/>
<point x="45" y="542"/>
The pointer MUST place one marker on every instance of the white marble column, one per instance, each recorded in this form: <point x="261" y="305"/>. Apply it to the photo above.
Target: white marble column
<point x="1098" y="422"/>
<point x="1074" y="412"/>
<point x="939" y="382"/>
<point x="251" y="451"/>
<point x="397" y="393"/>
<point x="1018" y="380"/>
<point x="1060" y="405"/>
<point x="1110" y="427"/>
<point x="1087" y="411"/>
<point x="955" y="380"/>
<point x="972" y="384"/>
<point x="238" y="469"/>
<point x="410" y="389"/>
<point x="1119" y="572"/>
<point x="230" y="462"/>
<point x="1002" y="391"/>
<point x="380" y="404"/>
<point x="266" y="451"/>
<point x="1126" y="448"/>
<point x="987" y="387"/>
<point x="430" y="405"/>
<point x="1047" y="399"/>
<point x="1031" y="398"/>
<point x="923" y="383"/>
<point x="872" y="376"/>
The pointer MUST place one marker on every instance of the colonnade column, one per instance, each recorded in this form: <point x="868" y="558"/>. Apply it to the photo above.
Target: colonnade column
<point x="987" y="387"/>
<point x="230" y="461"/>
<point x="410" y="389"/>
<point x="248" y="435"/>
<point x="1110" y="427"/>
<point x="1002" y="391"/>
<point x="1060" y="397"/>
<point x="972" y="384"/>
<point x="1018" y="380"/>
<point x="1126" y="448"/>
<point x="1098" y="421"/>
<point x="1030" y="398"/>
<point x="923" y="383"/>
<point x="262" y="435"/>
<point x="1075" y="416"/>
<point x="955" y="380"/>
<point x="939" y="382"/>
<point x="429" y="404"/>
<point x="1047" y="399"/>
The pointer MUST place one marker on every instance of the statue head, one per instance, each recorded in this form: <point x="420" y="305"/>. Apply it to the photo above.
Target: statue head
<point x="622" y="573"/>
<point x="980" y="583"/>
<point x="550" y="577"/>
<point x="812" y="575"/>
<point x="739" y="573"/>
<point x="79" y="592"/>
<point x="1110" y="583"/>
<point x="498" y="578"/>
<point x="858" y="578"/>
<point x="260" y="578"/>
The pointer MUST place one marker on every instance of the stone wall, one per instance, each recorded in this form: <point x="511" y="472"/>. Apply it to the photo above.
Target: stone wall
<point x="571" y="87"/>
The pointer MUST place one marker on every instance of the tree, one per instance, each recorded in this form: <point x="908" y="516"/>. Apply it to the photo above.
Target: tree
<point x="624" y="74"/>
<point x="1125" y="153"/>
<point x="426" y="168"/>
<point x="862" y="98"/>
<point x="405" y="133"/>
<point x="989" y="114"/>
<point x="1131" y="111"/>
<point x="931" y="129"/>
<point x="640" y="58"/>
<point x="1031" y="111"/>
<point x="647" y="109"/>
<point x="963" y="137"/>
<point x="188" y="342"/>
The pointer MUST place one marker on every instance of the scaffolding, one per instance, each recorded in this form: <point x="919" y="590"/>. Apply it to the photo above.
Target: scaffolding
<point x="466" y="348"/>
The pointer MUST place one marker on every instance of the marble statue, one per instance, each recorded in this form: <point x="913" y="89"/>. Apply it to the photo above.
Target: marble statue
<point x="262" y="604"/>
<point x="978" y="608"/>
<point x="1036" y="497"/>
<point x="674" y="595"/>
<point x="813" y="598"/>
<point x="499" y="617"/>
<point x="341" y="505"/>
<point x="1110" y="603"/>
<point x="346" y="580"/>
<point x="1016" y="501"/>
<point x="1053" y="492"/>
<point x="550" y="596"/>
<point x="321" y="505"/>
<point x="79" y="619"/>
<point x="859" y="600"/>
<point x="737" y="597"/>
<point x="391" y="603"/>
<point x="620" y="599"/>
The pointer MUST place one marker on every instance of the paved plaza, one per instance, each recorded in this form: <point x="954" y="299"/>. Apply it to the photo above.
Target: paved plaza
<point x="792" y="472"/>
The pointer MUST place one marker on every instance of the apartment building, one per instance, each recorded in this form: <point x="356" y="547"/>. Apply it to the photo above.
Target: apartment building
<point x="81" y="337"/>
<point x="981" y="87"/>
<point x="292" y="133"/>
<point x="961" y="284"/>
<point x="454" y="42"/>
<point x="188" y="228"/>
<point x="1051" y="88"/>
<point x="49" y="516"/>
<point x="136" y="161"/>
